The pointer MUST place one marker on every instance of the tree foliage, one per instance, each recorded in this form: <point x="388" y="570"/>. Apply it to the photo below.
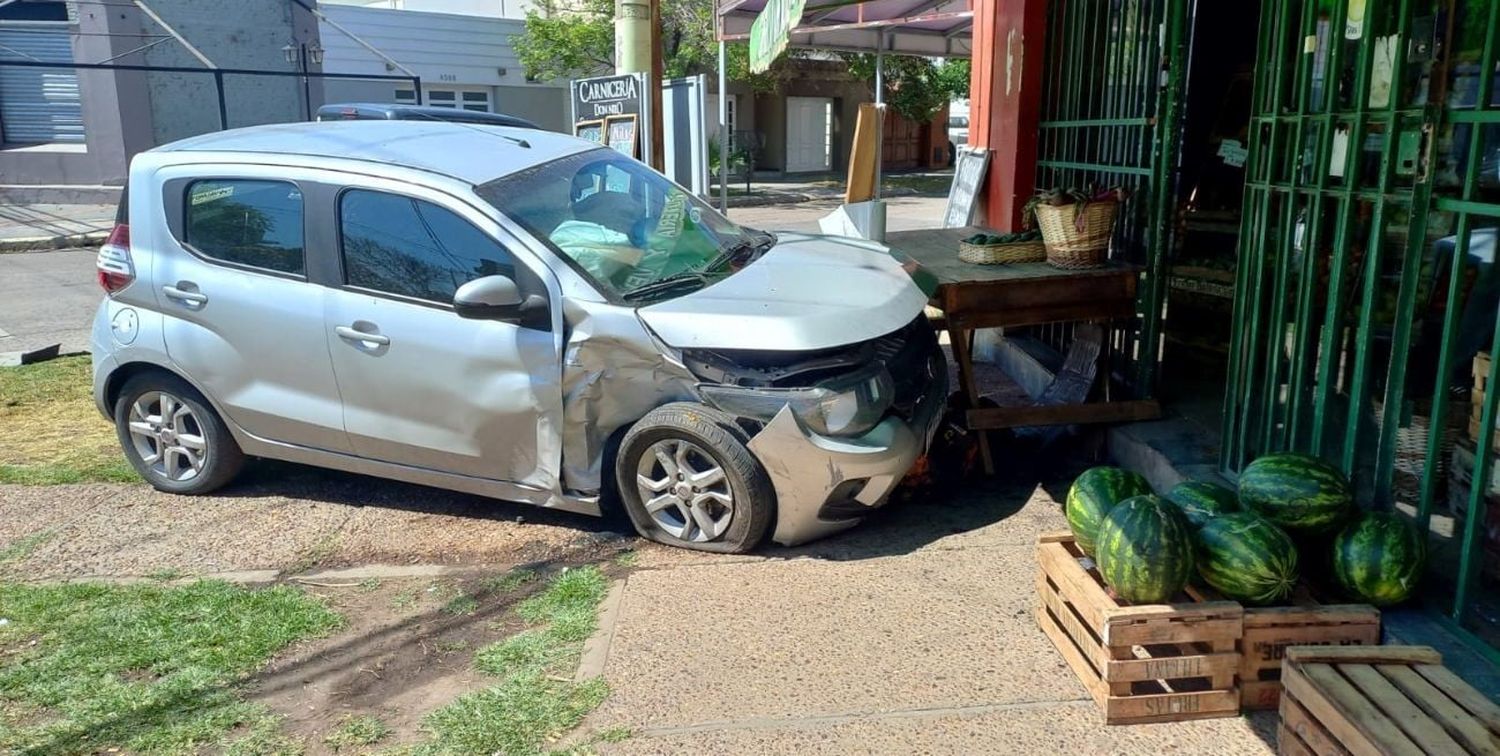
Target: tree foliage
<point x="573" y="38"/>
<point x="916" y="88"/>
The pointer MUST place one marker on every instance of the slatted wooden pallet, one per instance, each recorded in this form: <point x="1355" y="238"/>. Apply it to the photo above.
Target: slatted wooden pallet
<point x="1481" y="377"/>
<point x="1270" y="630"/>
<point x="1385" y="700"/>
<point x="1141" y="663"/>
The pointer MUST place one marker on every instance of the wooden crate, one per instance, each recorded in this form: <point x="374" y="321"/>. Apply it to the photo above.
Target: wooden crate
<point x="1270" y="631"/>
<point x="1481" y="377"/>
<point x="1387" y="699"/>
<point x="1141" y="663"/>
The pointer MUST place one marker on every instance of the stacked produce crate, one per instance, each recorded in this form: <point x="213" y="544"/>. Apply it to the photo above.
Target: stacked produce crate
<point x="1481" y="377"/>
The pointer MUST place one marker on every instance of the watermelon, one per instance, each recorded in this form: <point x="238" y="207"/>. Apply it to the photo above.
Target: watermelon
<point x="1093" y="494"/>
<point x="1245" y="557"/>
<point x="1302" y="494"/>
<point x="1379" y="558"/>
<point x="1201" y="501"/>
<point x="1145" y="550"/>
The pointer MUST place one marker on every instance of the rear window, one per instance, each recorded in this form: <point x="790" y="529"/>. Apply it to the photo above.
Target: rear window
<point x="247" y="222"/>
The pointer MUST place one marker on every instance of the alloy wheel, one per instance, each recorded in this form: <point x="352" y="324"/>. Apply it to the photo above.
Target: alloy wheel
<point x="168" y="436"/>
<point x="685" y="490"/>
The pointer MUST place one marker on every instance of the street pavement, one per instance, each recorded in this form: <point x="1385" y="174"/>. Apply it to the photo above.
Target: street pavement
<point x="47" y="298"/>
<point x="914" y="634"/>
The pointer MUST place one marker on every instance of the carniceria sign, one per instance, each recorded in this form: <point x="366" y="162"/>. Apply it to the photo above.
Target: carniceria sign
<point x="607" y="96"/>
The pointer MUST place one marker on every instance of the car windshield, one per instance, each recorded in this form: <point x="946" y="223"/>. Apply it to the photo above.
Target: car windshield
<point x="636" y="234"/>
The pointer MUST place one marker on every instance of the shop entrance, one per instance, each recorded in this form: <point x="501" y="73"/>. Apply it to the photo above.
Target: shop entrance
<point x="1365" y="279"/>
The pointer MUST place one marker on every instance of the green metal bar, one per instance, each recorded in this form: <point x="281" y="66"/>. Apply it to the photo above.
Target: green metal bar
<point x="1255" y="387"/>
<point x="1472" y="553"/>
<point x="1333" y="317"/>
<point x="1231" y="452"/>
<point x="1359" y="393"/>
<point x="1095" y="122"/>
<point x="1163" y="192"/>
<point x="1449" y="338"/>
<point x="1467" y="206"/>
<point x="1067" y="164"/>
<point x="1474" y="116"/>
<point x="1474" y="520"/>
<point x="1406" y="297"/>
<point x="1278" y="420"/>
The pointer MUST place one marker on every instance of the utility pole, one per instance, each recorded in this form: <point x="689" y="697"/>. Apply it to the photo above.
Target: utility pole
<point x="658" y="136"/>
<point x="638" y="50"/>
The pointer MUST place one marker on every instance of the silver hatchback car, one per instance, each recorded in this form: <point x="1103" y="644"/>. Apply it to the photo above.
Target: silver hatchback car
<point x="511" y="313"/>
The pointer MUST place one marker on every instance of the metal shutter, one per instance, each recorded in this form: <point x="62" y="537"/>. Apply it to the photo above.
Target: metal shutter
<point x="38" y="104"/>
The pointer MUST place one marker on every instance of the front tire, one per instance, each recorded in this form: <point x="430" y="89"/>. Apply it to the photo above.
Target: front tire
<point x="173" y="438"/>
<point x="686" y="478"/>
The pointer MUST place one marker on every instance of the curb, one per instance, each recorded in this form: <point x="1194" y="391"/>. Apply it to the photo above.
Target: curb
<point x="596" y="648"/>
<point x="50" y="243"/>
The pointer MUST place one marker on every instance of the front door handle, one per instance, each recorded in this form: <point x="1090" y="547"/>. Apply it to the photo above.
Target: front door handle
<point x="350" y="334"/>
<point x="185" y="292"/>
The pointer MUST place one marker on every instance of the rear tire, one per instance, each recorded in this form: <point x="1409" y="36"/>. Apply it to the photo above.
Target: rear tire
<point x="172" y="437"/>
<point x="686" y="478"/>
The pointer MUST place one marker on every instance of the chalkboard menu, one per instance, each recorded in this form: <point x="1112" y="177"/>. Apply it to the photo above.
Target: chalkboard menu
<point x="590" y="130"/>
<point x="968" y="177"/>
<point x="621" y="134"/>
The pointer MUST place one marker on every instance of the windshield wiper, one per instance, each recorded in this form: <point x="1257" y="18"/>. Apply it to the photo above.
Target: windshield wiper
<point x="671" y="283"/>
<point x="700" y="277"/>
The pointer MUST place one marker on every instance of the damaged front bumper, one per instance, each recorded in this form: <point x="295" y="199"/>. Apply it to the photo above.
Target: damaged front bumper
<point x="823" y="484"/>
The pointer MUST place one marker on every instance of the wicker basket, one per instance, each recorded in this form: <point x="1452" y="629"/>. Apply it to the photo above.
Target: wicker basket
<point x="1411" y="448"/>
<point x="1075" y="245"/>
<point x="1002" y="254"/>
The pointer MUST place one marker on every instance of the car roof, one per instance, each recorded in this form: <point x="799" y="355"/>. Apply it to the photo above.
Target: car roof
<point x="355" y="111"/>
<point x="468" y="152"/>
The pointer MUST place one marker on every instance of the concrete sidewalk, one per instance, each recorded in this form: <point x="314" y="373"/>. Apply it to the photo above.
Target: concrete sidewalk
<point x="913" y="635"/>
<point x="26" y="228"/>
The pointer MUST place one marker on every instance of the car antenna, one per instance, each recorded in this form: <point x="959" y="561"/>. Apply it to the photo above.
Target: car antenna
<point x="522" y="143"/>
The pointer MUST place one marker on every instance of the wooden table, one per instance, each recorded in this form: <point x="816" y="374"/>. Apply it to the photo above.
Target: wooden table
<point x="1026" y="294"/>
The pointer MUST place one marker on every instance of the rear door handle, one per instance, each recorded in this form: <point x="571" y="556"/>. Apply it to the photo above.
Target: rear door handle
<point x="182" y="293"/>
<point x="349" y="334"/>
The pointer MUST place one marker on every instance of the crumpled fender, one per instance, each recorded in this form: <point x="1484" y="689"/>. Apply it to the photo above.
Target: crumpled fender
<point x="613" y="373"/>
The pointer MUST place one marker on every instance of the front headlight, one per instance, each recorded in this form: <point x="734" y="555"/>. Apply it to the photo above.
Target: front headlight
<point x="845" y="406"/>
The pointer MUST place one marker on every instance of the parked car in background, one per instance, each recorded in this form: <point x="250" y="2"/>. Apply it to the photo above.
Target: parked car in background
<point x="958" y="128"/>
<point x="508" y="312"/>
<point x="379" y="111"/>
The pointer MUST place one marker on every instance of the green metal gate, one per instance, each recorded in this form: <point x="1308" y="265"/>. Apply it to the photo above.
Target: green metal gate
<point x="1371" y="201"/>
<point x="1110" y="114"/>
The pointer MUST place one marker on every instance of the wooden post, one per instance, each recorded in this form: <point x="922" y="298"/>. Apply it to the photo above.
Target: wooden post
<point x="1005" y="101"/>
<point x="657" y="134"/>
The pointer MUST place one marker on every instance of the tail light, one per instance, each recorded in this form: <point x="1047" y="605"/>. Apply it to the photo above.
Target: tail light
<point x="116" y="270"/>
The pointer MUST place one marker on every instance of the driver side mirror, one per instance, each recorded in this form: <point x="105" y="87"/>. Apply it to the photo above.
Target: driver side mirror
<point x="497" y="297"/>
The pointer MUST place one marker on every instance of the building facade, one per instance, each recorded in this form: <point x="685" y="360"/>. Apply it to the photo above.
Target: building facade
<point x="464" y="61"/>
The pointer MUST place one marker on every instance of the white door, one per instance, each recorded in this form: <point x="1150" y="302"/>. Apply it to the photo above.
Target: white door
<point x="809" y="134"/>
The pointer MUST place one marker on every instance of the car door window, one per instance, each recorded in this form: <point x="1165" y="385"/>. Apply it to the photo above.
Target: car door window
<point x="246" y="222"/>
<point x="413" y="248"/>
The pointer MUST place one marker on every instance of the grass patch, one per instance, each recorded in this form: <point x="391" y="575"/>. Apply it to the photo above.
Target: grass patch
<point x="460" y="606"/>
<point x="510" y="581"/>
<point x="354" y="732"/>
<point x="147" y="668"/>
<point x="50" y="432"/>
<point x="535" y="700"/>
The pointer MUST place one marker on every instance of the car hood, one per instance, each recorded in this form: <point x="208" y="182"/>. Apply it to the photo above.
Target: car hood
<point x="807" y="292"/>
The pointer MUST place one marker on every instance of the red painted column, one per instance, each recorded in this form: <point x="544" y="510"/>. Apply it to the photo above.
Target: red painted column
<point x="1005" y="102"/>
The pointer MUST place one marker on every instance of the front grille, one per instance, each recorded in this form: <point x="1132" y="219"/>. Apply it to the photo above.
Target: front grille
<point x="907" y="355"/>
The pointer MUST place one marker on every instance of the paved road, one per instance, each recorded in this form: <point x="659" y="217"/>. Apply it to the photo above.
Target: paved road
<point x="49" y="297"/>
